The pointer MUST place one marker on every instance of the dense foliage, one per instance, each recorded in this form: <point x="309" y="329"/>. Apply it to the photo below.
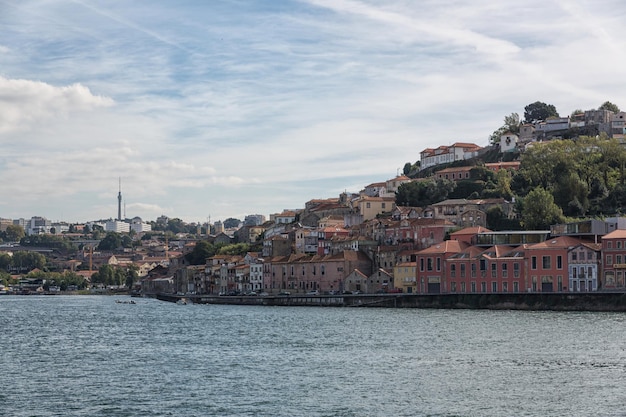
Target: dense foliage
<point x="49" y="241"/>
<point x="115" y="275"/>
<point x="22" y="261"/>
<point x="203" y="250"/>
<point x="63" y="280"/>
<point x="558" y="179"/>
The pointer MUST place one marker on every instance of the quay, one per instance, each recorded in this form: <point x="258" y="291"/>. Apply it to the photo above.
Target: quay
<point x="607" y="301"/>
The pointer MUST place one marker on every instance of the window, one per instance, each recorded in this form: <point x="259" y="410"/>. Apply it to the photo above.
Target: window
<point x="462" y="270"/>
<point x="574" y="256"/>
<point x="367" y="205"/>
<point x="494" y="286"/>
<point x="559" y="262"/>
<point x="453" y="270"/>
<point x="546" y="262"/>
<point x="421" y="264"/>
<point x="483" y="287"/>
<point x="322" y="270"/>
<point x="516" y="269"/>
<point x="453" y="286"/>
<point x="462" y="287"/>
<point x="515" y="286"/>
<point x="494" y="271"/>
<point x="505" y="287"/>
<point x="618" y="244"/>
<point x="473" y="286"/>
<point x="505" y="272"/>
<point x="609" y="259"/>
<point x="383" y="205"/>
<point x="438" y="264"/>
<point x="429" y="264"/>
<point x="533" y="262"/>
<point x="609" y="245"/>
<point x="473" y="266"/>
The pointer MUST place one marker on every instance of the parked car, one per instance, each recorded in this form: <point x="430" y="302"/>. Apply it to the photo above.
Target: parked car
<point x="284" y="293"/>
<point x="314" y="292"/>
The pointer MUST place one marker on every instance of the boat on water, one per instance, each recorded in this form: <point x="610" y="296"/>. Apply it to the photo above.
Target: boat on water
<point x="183" y="301"/>
<point x="125" y="302"/>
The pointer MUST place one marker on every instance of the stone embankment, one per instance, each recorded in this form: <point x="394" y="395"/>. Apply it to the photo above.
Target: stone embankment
<point x="520" y="301"/>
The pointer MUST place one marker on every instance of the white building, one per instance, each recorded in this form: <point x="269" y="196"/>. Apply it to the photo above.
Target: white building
<point x="117" y="226"/>
<point x="459" y="151"/>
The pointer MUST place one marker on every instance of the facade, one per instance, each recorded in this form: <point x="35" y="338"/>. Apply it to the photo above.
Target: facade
<point x="370" y="207"/>
<point x="404" y="277"/>
<point x="454" y="173"/>
<point x="614" y="260"/>
<point x="562" y="264"/>
<point x="393" y="184"/>
<point x="302" y="273"/>
<point x="508" y="142"/>
<point x="446" y="154"/>
<point x="117" y="226"/>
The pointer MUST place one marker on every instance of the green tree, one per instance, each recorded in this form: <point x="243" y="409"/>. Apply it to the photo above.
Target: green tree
<point x="14" y="233"/>
<point x="539" y="211"/>
<point x="424" y="193"/>
<point x="201" y="251"/>
<point x="539" y="111"/>
<point x="132" y="275"/>
<point x="5" y="261"/>
<point x="28" y="261"/>
<point x="111" y="241"/>
<point x="607" y="105"/>
<point x="407" y="168"/>
<point x="234" y="249"/>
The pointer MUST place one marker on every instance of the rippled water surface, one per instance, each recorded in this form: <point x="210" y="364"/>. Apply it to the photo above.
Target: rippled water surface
<point x="91" y="356"/>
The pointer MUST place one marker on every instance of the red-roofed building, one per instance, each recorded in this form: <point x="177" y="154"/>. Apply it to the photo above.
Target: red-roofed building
<point x="459" y="151"/>
<point x="614" y="260"/>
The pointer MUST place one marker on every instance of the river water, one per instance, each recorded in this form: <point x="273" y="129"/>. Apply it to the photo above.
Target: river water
<point x="91" y="356"/>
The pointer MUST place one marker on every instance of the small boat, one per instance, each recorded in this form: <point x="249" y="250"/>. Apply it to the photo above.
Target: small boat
<point x="182" y="301"/>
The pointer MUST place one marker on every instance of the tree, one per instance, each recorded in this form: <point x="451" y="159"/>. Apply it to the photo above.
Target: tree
<point x="539" y="211"/>
<point x="111" y="241"/>
<point x="14" y="233"/>
<point x="424" y="193"/>
<point x="407" y="168"/>
<point x="607" y="105"/>
<point x="201" y="252"/>
<point x="539" y="111"/>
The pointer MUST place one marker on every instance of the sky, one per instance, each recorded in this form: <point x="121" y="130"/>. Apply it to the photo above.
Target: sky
<point x="210" y="109"/>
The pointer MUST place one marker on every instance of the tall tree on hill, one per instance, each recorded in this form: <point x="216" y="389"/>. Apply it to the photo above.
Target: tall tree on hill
<point x="539" y="111"/>
<point x="607" y="105"/>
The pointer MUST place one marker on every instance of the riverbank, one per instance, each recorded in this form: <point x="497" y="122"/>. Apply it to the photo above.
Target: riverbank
<point x="524" y="301"/>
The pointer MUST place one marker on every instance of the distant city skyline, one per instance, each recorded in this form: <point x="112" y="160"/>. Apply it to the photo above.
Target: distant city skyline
<point x="222" y="109"/>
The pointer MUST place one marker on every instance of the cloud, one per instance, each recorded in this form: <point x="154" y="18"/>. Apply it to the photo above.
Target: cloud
<point x="24" y="103"/>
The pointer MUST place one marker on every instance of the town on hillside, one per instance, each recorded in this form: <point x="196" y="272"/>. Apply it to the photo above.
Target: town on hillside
<point x="450" y="224"/>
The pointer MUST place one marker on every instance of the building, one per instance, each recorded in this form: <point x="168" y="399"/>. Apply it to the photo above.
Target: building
<point x="459" y="151"/>
<point x="614" y="260"/>
<point x="370" y="207"/>
<point x="117" y="226"/>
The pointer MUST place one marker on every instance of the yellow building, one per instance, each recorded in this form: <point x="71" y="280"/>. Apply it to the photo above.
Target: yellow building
<point x="404" y="277"/>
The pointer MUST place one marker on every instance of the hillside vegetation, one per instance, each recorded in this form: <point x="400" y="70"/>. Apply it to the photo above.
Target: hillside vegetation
<point x="558" y="179"/>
